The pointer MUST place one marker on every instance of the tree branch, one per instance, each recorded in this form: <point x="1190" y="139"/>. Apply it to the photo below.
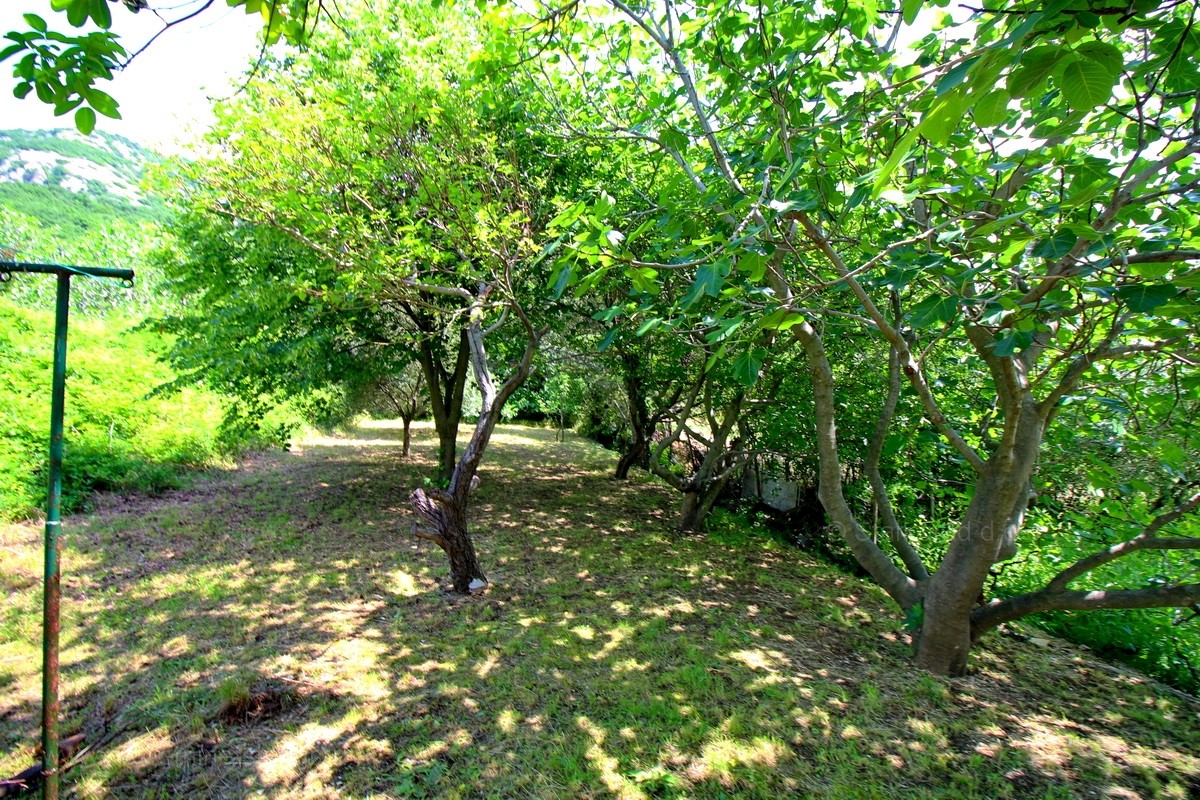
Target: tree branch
<point x="1146" y="540"/>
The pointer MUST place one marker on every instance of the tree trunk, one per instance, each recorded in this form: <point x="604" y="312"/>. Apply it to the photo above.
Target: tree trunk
<point x="445" y="510"/>
<point x="407" y="435"/>
<point x="900" y="586"/>
<point x="640" y="421"/>
<point x="697" y="504"/>
<point x="635" y="456"/>
<point x="447" y="516"/>
<point x="987" y="533"/>
<point x="445" y="399"/>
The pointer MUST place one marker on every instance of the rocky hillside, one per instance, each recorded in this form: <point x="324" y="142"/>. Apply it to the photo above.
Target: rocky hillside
<point x="74" y="183"/>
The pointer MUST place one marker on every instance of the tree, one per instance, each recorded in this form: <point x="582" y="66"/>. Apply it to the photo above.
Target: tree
<point x="984" y="199"/>
<point x="417" y="205"/>
<point x="402" y="393"/>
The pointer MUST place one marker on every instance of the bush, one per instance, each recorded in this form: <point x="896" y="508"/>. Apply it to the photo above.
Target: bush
<point x="118" y="436"/>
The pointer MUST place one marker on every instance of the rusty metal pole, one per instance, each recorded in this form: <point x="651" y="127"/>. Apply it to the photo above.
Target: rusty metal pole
<point x="53" y="590"/>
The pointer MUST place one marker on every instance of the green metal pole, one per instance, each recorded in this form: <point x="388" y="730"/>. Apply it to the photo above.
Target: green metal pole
<point x="53" y="591"/>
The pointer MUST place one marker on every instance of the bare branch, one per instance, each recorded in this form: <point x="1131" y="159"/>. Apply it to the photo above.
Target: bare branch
<point x="1146" y="540"/>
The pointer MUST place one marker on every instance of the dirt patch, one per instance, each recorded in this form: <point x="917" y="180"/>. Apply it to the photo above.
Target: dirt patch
<point x="258" y="707"/>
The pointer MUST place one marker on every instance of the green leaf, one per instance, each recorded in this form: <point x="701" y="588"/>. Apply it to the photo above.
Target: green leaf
<point x="85" y="120"/>
<point x="1086" y="84"/>
<point x="708" y="281"/>
<point x="784" y="322"/>
<point x="789" y="174"/>
<point x="954" y="78"/>
<point x="77" y="13"/>
<point x="1144" y="297"/>
<point x="103" y="103"/>
<point x="803" y="200"/>
<point x="754" y="264"/>
<point x="910" y="9"/>
<point x="1102" y="53"/>
<point x="648" y="326"/>
<point x="674" y="140"/>
<point x="1057" y="246"/>
<point x="901" y="150"/>
<point x="1036" y="66"/>
<point x="35" y="22"/>
<point x="1011" y="342"/>
<point x="748" y="365"/>
<point x="935" y="310"/>
<point x="992" y="109"/>
<point x="562" y="281"/>
<point x="101" y="14"/>
<point x="567" y="217"/>
<point x="11" y="50"/>
<point x="943" y="118"/>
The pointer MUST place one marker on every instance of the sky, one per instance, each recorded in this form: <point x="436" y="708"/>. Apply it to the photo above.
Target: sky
<point x="165" y="92"/>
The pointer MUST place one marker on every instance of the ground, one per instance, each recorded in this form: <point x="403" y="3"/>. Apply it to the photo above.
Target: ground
<point x="277" y="632"/>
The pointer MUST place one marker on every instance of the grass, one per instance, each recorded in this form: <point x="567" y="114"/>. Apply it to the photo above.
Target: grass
<point x="276" y="632"/>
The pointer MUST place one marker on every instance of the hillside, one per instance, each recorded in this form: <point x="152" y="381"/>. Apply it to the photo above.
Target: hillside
<point x="276" y="632"/>
<point x="73" y="183"/>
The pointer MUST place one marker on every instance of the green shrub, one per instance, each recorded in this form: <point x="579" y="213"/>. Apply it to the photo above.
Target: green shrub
<point x="119" y="437"/>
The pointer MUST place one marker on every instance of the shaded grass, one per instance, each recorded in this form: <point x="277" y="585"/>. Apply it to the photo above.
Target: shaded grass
<point x="276" y="632"/>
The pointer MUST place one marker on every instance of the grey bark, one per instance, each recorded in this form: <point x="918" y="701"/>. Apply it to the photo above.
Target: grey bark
<point x="445" y="510"/>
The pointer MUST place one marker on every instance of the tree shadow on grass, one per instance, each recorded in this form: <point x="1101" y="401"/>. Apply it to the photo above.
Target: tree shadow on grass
<point x="608" y="659"/>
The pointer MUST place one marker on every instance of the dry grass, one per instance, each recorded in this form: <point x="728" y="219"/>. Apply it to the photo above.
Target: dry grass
<point x="275" y="633"/>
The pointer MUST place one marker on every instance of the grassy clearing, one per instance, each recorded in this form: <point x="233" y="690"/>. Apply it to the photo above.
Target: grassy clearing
<point x="275" y="632"/>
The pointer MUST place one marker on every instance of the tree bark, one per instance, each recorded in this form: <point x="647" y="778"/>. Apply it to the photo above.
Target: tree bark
<point x="445" y="398"/>
<point x="447" y="516"/>
<point x="698" y="503"/>
<point x="407" y="435"/>
<point x="640" y="422"/>
<point x="984" y="618"/>
<point x="445" y="510"/>
<point x="901" y="587"/>
<point x="992" y="520"/>
<point x="635" y="456"/>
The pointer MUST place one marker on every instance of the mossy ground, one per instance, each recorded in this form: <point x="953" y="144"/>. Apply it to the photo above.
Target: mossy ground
<point x="276" y="632"/>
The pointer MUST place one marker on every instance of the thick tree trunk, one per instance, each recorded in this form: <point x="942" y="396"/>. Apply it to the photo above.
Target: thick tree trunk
<point x="637" y="455"/>
<point x="697" y="504"/>
<point x="986" y="535"/>
<point x="447" y="517"/>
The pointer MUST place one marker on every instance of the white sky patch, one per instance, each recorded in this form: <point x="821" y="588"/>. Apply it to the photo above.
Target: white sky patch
<point x="165" y="94"/>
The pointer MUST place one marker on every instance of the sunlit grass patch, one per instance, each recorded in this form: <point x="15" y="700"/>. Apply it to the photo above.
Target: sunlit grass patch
<point x="276" y="633"/>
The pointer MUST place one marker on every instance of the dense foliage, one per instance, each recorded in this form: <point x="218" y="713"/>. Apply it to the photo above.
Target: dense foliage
<point x="118" y="438"/>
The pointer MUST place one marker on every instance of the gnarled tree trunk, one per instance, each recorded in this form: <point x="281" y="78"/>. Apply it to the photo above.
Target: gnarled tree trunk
<point x="446" y="515"/>
<point x="445" y="510"/>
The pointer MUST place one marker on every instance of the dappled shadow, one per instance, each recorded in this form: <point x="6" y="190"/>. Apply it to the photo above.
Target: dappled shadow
<point x="609" y="659"/>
